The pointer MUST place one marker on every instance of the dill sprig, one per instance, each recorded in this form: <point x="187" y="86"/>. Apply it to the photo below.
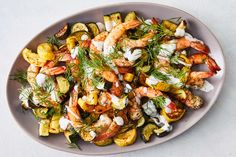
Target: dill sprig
<point x="159" y="101"/>
<point x="96" y="80"/>
<point x="54" y="40"/>
<point x="157" y="74"/>
<point x="153" y="46"/>
<point x="20" y="76"/>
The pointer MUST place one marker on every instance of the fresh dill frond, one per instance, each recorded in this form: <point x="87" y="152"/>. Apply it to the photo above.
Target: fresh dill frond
<point x="159" y="101"/>
<point x="68" y="73"/>
<point x="54" y="40"/>
<point x="157" y="74"/>
<point x="20" y="76"/>
<point x="96" y="80"/>
<point x="178" y="73"/>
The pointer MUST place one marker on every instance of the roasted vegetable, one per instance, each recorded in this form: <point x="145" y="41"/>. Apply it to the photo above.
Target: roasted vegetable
<point x="63" y="84"/>
<point x="162" y="86"/>
<point x="80" y="35"/>
<point x="44" y="127"/>
<point x="104" y="142"/>
<point x="45" y="51"/>
<point x="126" y="138"/>
<point x="54" y="124"/>
<point x="92" y="98"/>
<point x="116" y="18"/>
<point x="174" y="116"/>
<point x="129" y="77"/>
<point x="93" y="28"/>
<point x="85" y="135"/>
<point x="107" y="22"/>
<point x="40" y="112"/>
<point x="178" y="93"/>
<point x="147" y="132"/>
<point x="63" y="32"/>
<point x="169" y="25"/>
<point x="130" y="16"/>
<point x="33" y="58"/>
<point x="140" y="122"/>
<point x="79" y="27"/>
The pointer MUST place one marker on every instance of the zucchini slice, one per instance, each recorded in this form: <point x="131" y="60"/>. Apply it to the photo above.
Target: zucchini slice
<point x="116" y="18"/>
<point x="81" y="35"/>
<point x="93" y="28"/>
<point x="79" y="27"/>
<point x="126" y="138"/>
<point x="140" y="122"/>
<point x="63" y="84"/>
<point x="63" y="32"/>
<point x="44" y="127"/>
<point x="104" y="142"/>
<point x="147" y="132"/>
<point x="107" y="22"/>
<point x="130" y="16"/>
<point x="169" y="25"/>
<point x="54" y="124"/>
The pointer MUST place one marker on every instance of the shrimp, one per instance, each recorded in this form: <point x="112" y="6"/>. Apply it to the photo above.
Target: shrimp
<point x="104" y="104"/>
<point x="54" y="70"/>
<point x="134" y="109"/>
<point x="142" y="42"/>
<point x="117" y="87"/>
<point x="32" y="72"/>
<point x="102" y="124"/>
<point x="73" y="112"/>
<point x="185" y="42"/>
<point x="122" y="62"/>
<point x="201" y="58"/>
<point x="197" y="78"/>
<point x="116" y="33"/>
<point x="112" y="130"/>
<point x="152" y="94"/>
<point x="193" y="101"/>
<point x="147" y="92"/>
<point x="97" y="43"/>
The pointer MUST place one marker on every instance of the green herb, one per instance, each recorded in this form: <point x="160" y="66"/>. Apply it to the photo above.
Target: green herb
<point x="50" y="112"/>
<point x="96" y="80"/>
<point x="54" y="40"/>
<point x="68" y="74"/>
<point x="153" y="46"/>
<point x="178" y="73"/>
<point x="20" y="76"/>
<point x="74" y="140"/>
<point x="157" y="74"/>
<point x="159" y="101"/>
<point x="175" y="59"/>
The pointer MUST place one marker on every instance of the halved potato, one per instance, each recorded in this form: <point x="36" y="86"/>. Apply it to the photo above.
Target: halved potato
<point x="126" y="138"/>
<point x="45" y="51"/>
<point x="33" y="58"/>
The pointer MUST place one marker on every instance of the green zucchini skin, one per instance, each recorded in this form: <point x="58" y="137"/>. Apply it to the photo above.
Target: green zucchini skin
<point x="78" y="27"/>
<point x="147" y="131"/>
<point x="93" y="28"/>
<point x="130" y="16"/>
<point x="63" y="33"/>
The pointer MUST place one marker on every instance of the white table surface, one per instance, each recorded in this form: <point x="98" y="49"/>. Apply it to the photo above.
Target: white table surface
<point x="214" y="135"/>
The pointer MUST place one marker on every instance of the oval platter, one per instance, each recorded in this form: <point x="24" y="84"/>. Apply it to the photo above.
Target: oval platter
<point x="147" y="10"/>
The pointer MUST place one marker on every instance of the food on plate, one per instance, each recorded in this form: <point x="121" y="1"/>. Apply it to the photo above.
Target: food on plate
<point x="105" y="83"/>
